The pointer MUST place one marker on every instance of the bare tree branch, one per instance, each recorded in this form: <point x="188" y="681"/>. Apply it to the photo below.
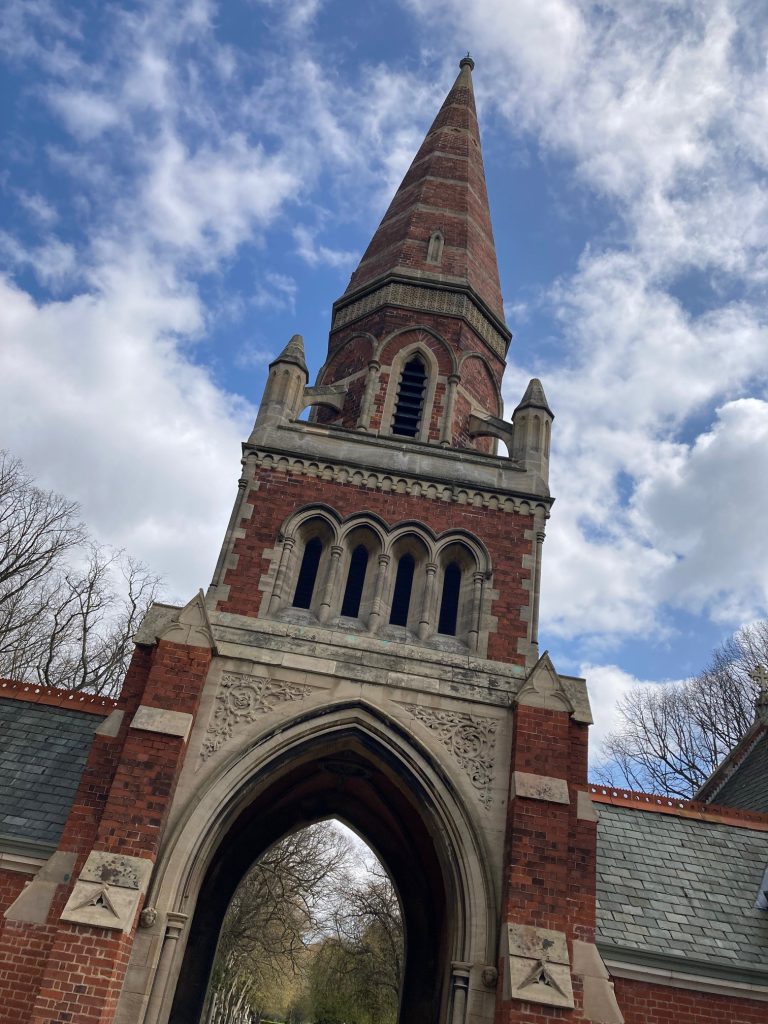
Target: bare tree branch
<point x="671" y="737"/>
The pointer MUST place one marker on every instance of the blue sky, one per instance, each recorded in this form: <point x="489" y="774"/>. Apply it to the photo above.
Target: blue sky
<point x="186" y="185"/>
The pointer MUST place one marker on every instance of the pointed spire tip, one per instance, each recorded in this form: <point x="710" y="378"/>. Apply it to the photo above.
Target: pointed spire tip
<point x="467" y="62"/>
<point x="534" y="397"/>
<point x="293" y="353"/>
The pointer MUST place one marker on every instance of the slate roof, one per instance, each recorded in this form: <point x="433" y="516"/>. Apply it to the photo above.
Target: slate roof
<point x="43" y="750"/>
<point x="680" y="887"/>
<point x="748" y="785"/>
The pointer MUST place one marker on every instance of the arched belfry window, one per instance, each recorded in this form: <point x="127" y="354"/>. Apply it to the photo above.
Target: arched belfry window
<point x="401" y="596"/>
<point x="449" y="603"/>
<point x="310" y="563"/>
<point x="410" y="399"/>
<point x="353" y="592"/>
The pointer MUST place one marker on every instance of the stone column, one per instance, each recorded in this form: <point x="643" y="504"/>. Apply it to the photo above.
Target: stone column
<point x="460" y="989"/>
<point x="446" y="433"/>
<point x="473" y="634"/>
<point x="536" y="581"/>
<point x="276" y="599"/>
<point x="426" y="619"/>
<point x="374" y="619"/>
<point x="329" y="589"/>
<point x="173" y="928"/>
<point x="364" y="420"/>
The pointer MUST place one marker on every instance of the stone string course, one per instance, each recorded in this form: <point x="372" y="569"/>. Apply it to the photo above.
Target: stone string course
<point x="392" y="483"/>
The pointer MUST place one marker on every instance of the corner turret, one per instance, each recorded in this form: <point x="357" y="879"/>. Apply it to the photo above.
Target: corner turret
<point x="532" y="427"/>
<point x="283" y="397"/>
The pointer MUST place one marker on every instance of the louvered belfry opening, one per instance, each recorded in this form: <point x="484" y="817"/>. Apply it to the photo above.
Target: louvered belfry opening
<point x="410" y="399"/>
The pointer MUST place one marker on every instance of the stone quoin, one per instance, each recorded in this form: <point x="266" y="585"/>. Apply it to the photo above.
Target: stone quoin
<point x="368" y="649"/>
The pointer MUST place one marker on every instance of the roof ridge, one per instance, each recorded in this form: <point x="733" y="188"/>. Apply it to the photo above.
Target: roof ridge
<point x="678" y="806"/>
<point x="75" y="700"/>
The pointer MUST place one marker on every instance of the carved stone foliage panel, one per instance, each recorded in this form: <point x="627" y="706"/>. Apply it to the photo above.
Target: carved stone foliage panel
<point x="242" y="699"/>
<point x="470" y="739"/>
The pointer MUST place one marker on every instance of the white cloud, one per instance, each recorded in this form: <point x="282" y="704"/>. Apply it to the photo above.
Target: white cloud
<point x="85" y="113"/>
<point x="607" y="684"/>
<point x="98" y="398"/>
<point x="209" y="201"/>
<point x="315" y="254"/>
<point x="707" y="506"/>
<point x="277" y="292"/>
<point x="53" y="262"/>
<point x="38" y="207"/>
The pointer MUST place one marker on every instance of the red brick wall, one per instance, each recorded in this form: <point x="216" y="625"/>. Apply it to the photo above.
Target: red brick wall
<point x="549" y="879"/>
<point x="662" y="1004"/>
<point x="279" y="493"/>
<point x="60" y="971"/>
<point x="11" y="884"/>
<point x="24" y="949"/>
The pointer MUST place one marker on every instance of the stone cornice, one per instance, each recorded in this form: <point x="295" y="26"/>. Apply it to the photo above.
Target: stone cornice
<point x="451" y="297"/>
<point x="393" y="466"/>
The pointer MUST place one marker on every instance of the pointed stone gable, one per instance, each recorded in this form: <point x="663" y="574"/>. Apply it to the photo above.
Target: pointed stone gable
<point x="443" y="192"/>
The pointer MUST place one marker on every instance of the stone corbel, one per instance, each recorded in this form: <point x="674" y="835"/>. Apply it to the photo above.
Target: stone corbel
<point x="536" y="966"/>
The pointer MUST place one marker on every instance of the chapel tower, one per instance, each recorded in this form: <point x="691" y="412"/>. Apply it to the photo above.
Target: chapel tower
<point x="367" y="650"/>
<point x="405" y="423"/>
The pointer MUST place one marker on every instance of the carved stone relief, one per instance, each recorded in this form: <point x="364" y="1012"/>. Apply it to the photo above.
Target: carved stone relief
<point x="242" y="699"/>
<point x="108" y="890"/>
<point x="471" y="739"/>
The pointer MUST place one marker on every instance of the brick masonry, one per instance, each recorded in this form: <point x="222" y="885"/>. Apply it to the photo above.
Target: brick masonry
<point x="279" y="493"/>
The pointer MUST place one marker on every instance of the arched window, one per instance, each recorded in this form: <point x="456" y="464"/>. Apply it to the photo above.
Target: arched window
<point x="449" y="604"/>
<point x="410" y="399"/>
<point x="401" y="596"/>
<point x="305" y="585"/>
<point x="353" y="592"/>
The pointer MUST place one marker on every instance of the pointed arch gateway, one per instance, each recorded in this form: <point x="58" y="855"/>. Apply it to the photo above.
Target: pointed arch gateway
<point x="354" y="763"/>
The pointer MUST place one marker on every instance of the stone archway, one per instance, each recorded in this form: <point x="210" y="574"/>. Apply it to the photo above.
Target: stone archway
<point x="353" y="763"/>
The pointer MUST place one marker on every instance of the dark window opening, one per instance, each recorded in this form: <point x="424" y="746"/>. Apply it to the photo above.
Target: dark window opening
<point x="449" y="605"/>
<point x="353" y="591"/>
<point x="401" y="598"/>
<point x="410" y="399"/>
<point x="310" y="563"/>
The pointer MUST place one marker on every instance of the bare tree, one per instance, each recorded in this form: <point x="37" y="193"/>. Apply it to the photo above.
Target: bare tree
<point x="281" y="906"/>
<point x="671" y="737"/>
<point x="357" y="971"/>
<point x="68" y="607"/>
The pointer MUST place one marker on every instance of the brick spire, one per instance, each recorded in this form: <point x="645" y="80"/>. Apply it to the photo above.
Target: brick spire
<point x="444" y="191"/>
